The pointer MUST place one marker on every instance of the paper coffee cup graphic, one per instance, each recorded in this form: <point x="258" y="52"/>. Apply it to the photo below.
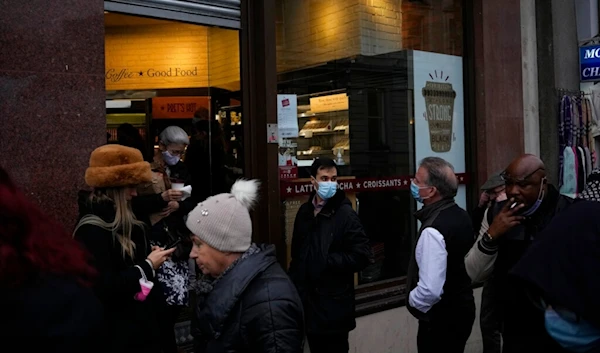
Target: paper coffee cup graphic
<point x="439" y="110"/>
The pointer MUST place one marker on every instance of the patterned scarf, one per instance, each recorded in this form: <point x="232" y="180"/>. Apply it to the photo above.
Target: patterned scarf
<point x="206" y="283"/>
<point x="592" y="188"/>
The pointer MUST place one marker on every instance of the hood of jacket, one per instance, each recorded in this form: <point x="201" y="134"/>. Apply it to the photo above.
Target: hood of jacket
<point x="229" y="290"/>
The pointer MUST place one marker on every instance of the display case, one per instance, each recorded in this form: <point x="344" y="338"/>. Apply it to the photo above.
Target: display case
<point x="324" y="128"/>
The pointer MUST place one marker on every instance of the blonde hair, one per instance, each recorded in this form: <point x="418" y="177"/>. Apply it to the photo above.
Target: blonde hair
<point x="124" y="221"/>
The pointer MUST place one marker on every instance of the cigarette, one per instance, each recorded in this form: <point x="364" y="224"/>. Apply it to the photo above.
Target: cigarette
<point x="513" y="205"/>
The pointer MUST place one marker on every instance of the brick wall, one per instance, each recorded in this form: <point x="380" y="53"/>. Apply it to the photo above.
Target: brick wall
<point x="192" y="56"/>
<point x="312" y="32"/>
<point x="224" y="58"/>
<point x="317" y="31"/>
<point x="380" y="26"/>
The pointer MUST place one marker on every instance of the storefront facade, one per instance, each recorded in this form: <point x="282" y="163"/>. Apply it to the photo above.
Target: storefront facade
<point x="376" y="85"/>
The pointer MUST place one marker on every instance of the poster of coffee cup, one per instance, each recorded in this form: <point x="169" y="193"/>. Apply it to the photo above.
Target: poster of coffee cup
<point x="439" y="122"/>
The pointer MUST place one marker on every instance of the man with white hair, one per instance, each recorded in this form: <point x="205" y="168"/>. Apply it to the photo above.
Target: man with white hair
<point x="160" y="205"/>
<point x="440" y="296"/>
<point x="172" y="143"/>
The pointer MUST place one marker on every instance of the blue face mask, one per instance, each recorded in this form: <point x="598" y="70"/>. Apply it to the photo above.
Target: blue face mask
<point x="537" y="203"/>
<point x="574" y="334"/>
<point x="414" y="191"/>
<point x="327" y="189"/>
<point x="169" y="158"/>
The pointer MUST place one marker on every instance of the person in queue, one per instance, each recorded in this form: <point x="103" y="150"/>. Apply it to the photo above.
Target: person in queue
<point x="440" y="297"/>
<point x="490" y="191"/>
<point x="164" y="209"/>
<point x="246" y="302"/>
<point x="328" y="246"/>
<point x="560" y="272"/>
<point x="46" y="300"/>
<point x="532" y="204"/>
<point x="121" y="252"/>
<point x="491" y="201"/>
<point x="172" y="143"/>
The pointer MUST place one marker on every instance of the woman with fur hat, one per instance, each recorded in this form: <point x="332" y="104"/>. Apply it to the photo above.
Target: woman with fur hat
<point x="121" y="252"/>
<point x="246" y="302"/>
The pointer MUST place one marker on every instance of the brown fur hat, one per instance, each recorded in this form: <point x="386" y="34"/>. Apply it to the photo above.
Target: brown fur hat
<point x="117" y="166"/>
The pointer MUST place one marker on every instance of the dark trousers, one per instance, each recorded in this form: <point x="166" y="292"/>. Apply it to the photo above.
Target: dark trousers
<point x="447" y="333"/>
<point x="489" y="321"/>
<point x="171" y="342"/>
<point x="328" y="343"/>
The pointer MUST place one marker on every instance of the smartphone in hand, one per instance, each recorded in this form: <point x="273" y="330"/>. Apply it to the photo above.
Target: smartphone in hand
<point x="173" y="244"/>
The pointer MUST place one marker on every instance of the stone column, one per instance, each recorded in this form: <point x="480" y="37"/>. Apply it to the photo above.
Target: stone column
<point x="498" y="80"/>
<point x="52" y="110"/>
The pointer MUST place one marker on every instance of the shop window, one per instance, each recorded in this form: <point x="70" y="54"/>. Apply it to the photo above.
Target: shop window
<point x="161" y="73"/>
<point x="362" y="100"/>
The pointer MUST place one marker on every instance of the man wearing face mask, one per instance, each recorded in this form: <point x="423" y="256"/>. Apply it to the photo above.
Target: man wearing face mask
<point x="328" y="246"/>
<point x="532" y="203"/>
<point x="440" y="289"/>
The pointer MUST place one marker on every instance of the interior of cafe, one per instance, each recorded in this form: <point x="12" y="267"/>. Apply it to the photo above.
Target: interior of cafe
<point x="161" y="73"/>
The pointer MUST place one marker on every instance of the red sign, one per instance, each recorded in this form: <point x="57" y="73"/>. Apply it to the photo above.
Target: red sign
<point x="177" y="107"/>
<point x="290" y="188"/>
<point x="288" y="172"/>
<point x="285" y="102"/>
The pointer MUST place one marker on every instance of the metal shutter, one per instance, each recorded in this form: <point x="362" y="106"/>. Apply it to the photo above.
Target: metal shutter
<point x="222" y="13"/>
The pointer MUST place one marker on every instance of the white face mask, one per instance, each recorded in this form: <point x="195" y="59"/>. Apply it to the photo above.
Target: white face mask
<point x="169" y="158"/>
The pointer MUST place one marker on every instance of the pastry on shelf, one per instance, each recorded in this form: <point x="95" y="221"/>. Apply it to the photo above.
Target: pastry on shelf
<point x="315" y="126"/>
<point x="344" y="144"/>
<point x="310" y="150"/>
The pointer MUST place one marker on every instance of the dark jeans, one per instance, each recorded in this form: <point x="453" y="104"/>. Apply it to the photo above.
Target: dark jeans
<point x="489" y="321"/>
<point x="328" y="343"/>
<point x="447" y="333"/>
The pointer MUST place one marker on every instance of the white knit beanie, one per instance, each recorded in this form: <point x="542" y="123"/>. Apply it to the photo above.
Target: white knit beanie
<point x="223" y="221"/>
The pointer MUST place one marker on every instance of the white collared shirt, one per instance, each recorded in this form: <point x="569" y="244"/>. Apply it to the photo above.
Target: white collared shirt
<point x="432" y="259"/>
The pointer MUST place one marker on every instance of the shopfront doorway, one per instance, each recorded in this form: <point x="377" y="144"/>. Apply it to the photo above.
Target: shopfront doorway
<point x="176" y="67"/>
<point x="161" y="73"/>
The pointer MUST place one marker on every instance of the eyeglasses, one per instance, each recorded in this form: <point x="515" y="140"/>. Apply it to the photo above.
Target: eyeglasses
<point x="521" y="182"/>
<point x="176" y="152"/>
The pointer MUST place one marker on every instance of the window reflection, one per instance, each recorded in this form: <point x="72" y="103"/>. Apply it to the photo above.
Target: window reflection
<point x="363" y="49"/>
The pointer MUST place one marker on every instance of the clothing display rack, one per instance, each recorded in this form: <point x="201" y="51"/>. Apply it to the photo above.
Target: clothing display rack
<point x="577" y="154"/>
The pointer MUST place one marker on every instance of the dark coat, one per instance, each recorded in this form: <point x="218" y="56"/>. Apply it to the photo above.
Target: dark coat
<point x="131" y="325"/>
<point x="562" y="266"/>
<point x="254" y="308"/>
<point x="523" y="322"/>
<point x="327" y="250"/>
<point x="51" y="314"/>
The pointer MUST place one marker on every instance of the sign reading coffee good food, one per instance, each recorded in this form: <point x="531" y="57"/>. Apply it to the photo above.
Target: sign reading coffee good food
<point x="117" y="75"/>
<point x="154" y="77"/>
<point x="589" y="63"/>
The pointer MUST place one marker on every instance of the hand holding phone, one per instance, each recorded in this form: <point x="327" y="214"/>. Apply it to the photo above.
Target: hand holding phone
<point x="173" y="244"/>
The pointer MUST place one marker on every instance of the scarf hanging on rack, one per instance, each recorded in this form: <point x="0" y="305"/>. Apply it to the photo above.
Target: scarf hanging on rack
<point x="589" y="112"/>
<point x="564" y="134"/>
<point x="588" y="140"/>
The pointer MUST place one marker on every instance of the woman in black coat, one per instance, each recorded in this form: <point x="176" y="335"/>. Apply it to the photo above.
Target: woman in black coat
<point x="122" y="255"/>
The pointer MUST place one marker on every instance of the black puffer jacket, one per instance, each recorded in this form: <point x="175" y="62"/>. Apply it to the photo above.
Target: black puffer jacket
<point x="254" y="308"/>
<point x="327" y="249"/>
